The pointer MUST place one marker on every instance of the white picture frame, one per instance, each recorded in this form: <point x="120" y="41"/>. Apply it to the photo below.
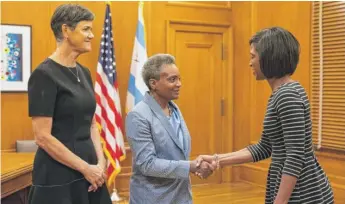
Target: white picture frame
<point x="15" y="57"/>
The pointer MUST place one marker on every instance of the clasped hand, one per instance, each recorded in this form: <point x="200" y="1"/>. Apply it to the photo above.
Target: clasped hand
<point x="205" y="165"/>
<point x="95" y="175"/>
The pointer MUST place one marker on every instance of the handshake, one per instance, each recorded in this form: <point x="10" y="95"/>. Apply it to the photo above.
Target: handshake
<point x="204" y="165"/>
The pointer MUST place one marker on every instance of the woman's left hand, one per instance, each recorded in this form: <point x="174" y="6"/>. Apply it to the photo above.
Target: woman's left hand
<point x="102" y="165"/>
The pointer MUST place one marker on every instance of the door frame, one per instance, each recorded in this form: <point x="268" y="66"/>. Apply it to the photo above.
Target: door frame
<point x="225" y="29"/>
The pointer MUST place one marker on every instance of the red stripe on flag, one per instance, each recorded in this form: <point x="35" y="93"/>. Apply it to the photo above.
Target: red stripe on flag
<point x="118" y="114"/>
<point x="104" y="115"/>
<point x="118" y="117"/>
<point x="114" y="150"/>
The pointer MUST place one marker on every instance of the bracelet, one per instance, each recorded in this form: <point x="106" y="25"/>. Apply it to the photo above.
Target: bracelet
<point x="216" y="159"/>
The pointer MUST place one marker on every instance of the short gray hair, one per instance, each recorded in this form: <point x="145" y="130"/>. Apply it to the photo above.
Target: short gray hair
<point x="153" y="67"/>
<point x="71" y="15"/>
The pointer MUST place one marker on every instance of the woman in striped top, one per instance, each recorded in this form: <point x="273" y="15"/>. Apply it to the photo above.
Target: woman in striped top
<point x="295" y="175"/>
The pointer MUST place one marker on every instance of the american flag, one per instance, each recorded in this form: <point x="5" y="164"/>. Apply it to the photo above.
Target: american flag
<point x="108" y="109"/>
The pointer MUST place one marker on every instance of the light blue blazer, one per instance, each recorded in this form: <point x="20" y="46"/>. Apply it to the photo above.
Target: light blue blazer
<point x="159" y="163"/>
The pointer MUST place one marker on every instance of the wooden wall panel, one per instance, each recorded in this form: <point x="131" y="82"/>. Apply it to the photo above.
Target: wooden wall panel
<point x="15" y="124"/>
<point x="243" y="79"/>
<point x="203" y="4"/>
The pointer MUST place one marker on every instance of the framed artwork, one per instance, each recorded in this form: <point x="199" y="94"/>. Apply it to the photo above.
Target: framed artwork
<point x="15" y="57"/>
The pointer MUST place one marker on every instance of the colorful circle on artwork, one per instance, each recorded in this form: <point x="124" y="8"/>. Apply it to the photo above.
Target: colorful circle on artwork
<point x="13" y="74"/>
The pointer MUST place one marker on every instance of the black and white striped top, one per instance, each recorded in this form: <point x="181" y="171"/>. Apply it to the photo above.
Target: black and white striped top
<point x="287" y="138"/>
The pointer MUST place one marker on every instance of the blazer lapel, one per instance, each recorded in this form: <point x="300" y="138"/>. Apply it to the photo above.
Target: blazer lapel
<point x="162" y="118"/>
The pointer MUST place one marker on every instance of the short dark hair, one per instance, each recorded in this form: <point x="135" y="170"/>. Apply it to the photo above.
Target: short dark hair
<point x="278" y="51"/>
<point x="71" y="15"/>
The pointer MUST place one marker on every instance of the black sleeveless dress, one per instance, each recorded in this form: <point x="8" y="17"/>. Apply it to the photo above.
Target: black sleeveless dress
<point x="54" y="91"/>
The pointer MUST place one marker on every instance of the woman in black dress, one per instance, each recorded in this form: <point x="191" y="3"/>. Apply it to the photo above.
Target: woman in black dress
<point x="69" y="164"/>
<point x="295" y="175"/>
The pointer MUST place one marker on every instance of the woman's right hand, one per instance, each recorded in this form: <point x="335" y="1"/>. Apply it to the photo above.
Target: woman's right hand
<point x="207" y="158"/>
<point x="94" y="175"/>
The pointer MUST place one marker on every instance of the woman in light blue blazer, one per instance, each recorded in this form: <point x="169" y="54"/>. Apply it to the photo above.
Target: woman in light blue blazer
<point x="159" y="139"/>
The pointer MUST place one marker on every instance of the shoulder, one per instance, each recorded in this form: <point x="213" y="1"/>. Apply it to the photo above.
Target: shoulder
<point x="287" y="96"/>
<point x="287" y="92"/>
<point x="141" y="110"/>
<point x="138" y="116"/>
<point x="43" y="71"/>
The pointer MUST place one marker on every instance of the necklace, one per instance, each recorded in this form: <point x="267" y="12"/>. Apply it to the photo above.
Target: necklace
<point x="77" y="76"/>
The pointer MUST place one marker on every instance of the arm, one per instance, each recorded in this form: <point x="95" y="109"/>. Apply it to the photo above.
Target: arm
<point x="140" y="140"/>
<point x="262" y="150"/>
<point x="240" y="157"/>
<point x="42" y="128"/>
<point x="96" y="140"/>
<point x="252" y="153"/>
<point x="290" y="110"/>
<point x="287" y="184"/>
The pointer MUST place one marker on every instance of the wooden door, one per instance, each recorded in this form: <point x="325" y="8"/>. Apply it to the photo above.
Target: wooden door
<point x="199" y="59"/>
